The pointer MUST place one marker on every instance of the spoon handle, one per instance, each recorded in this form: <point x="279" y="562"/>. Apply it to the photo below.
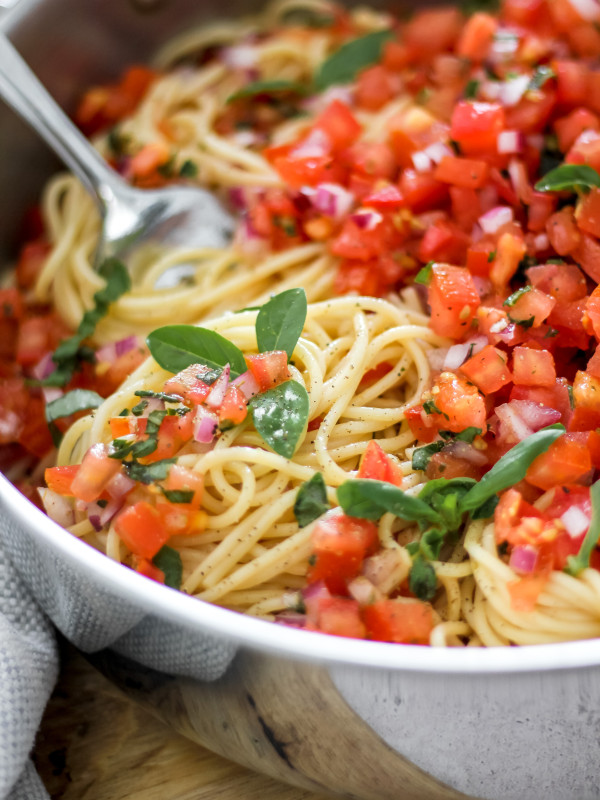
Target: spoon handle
<point x="24" y="93"/>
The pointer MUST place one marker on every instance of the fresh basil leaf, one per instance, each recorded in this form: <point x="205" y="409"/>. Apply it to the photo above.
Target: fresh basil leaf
<point x="486" y="510"/>
<point x="429" y="407"/>
<point x="345" y="64"/>
<point x="69" y="403"/>
<point x="471" y="89"/>
<point x="169" y="561"/>
<point x="166" y="398"/>
<point x="569" y="178"/>
<point x="575" y="564"/>
<point x="311" y="500"/>
<point x="138" y="409"/>
<point x="421" y="456"/>
<point x="510" y="301"/>
<point x="144" y="447"/>
<point x="468" y="435"/>
<point x="175" y="347"/>
<point x="421" y="579"/>
<point x="445" y="498"/>
<point x="257" y="88"/>
<point x="279" y="322"/>
<point x="431" y="543"/>
<point x="70" y="353"/>
<point x="370" y="499"/>
<point x="149" y="473"/>
<point x="280" y="416"/>
<point x="189" y="169"/>
<point x="512" y="467"/>
<point x="423" y="276"/>
<point x="178" y="495"/>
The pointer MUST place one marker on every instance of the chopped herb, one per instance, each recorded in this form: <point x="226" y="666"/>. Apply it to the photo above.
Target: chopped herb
<point x="471" y="89"/>
<point x="429" y="407"/>
<point x="569" y="178"/>
<point x="555" y="261"/>
<point x="311" y="500"/>
<point x="550" y="333"/>
<point x="280" y="416"/>
<point x="169" y="561"/>
<point x="421" y="579"/>
<point x="175" y="347"/>
<point x="423" y="276"/>
<point x="144" y="447"/>
<point x="188" y="169"/>
<point x="178" y="495"/>
<point x="70" y="403"/>
<point x="524" y="323"/>
<point x="150" y="473"/>
<point x="167" y="169"/>
<point x="307" y="18"/>
<point x="542" y="74"/>
<point x="422" y="455"/>
<point x="102" y="503"/>
<point x="491" y="256"/>
<point x="166" y="398"/>
<point x="259" y="89"/>
<point x="510" y="301"/>
<point x="345" y="64"/>
<point x="575" y="564"/>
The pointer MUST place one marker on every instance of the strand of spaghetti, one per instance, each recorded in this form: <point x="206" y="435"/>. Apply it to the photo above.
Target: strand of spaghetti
<point x="445" y="631"/>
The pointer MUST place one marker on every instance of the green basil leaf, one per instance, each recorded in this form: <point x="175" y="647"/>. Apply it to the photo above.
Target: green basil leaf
<point x="69" y="353"/>
<point x="468" y="435"/>
<point x="445" y="498"/>
<point x="149" y="473"/>
<point x="423" y="276"/>
<point x="569" y="178"/>
<point x="510" y="301"/>
<point x="69" y="403"/>
<point x="575" y="564"/>
<point x="512" y="467"/>
<point x="166" y="398"/>
<point x="178" y="495"/>
<point x="189" y="169"/>
<point x="370" y="499"/>
<point x="344" y="65"/>
<point x="542" y="74"/>
<point x="169" y="561"/>
<point x="486" y="510"/>
<point x="421" y="579"/>
<point x="279" y="322"/>
<point x="175" y="347"/>
<point x="421" y="456"/>
<point x="258" y="88"/>
<point x="311" y="500"/>
<point x="431" y="543"/>
<point x="280" y="416"/>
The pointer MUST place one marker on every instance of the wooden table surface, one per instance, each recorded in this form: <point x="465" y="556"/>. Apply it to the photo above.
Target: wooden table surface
<point x="94" y="744"/>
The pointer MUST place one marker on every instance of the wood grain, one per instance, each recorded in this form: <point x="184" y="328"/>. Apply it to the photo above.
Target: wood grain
<point x="95" y="744"/>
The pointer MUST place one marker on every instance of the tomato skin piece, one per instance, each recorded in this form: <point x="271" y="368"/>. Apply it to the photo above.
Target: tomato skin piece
<point x="421" y="424"/>
<point x="183" y="479"/>
<point x="60" y="479"/>
<point x="587" y="255"/>
<point x="378" y="466"/>
<point x="340" y="616"/>
<point x="475" y="126"/>
<point x="375" y="87"/>
<point x="569" y="128"/>
<point x="453" y="299"/>
<point x="269" y="369"/>
<point x="488" y="369"/>
<point x="532" y="367"/>
<point x="566" y="461"/>
<point x="516" y="521"/>
<point x="510" y="251"/>
<point x="403" y="622"/>
<point x="340" y="545"/>
<point x="466" y="172"/>
<point x="592" y="309"/>
<point x="95" y="472"/>
<point x="141" y="529"/>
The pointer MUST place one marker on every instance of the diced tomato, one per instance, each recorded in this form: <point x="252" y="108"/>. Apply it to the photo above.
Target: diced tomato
<point x="38" y="336"/>
<point x="173" y="433"/>
<point x="189" y="384"/>
<point x="586" y="149"/>
<point x="528" y="13"/>
<point x="375" y="87"/>
<point x="111" y="376"/>
<point x="453" y="299"/>
<point x="31" y="260"/>
<point x="488" y="369"/>
<point x="556" y="397"/>
<point x="588" y="213"/>
<point x="147" y="160"/>
<point x="234" y="408"/>
<point x="141" y="529"/>
<point x="35" y="434"/>
<point x="593" y="310"/>
<point x="186" y="480"/>
<point x="565" y="282"/>
<point x="584" y="419"/>
<point x="475" y="126"/>
<point x="387" y="197"/>
<point x="517" y="522"/>
<point x="149" y="570"/>
<point x="586" y="391"/>
<point x="479" y="259"/>
<point x="587" y="255"/>
<point x="269" y="369"/>
<point x="421" y="424"/>
<point x="563" y="232"/>
<point x="465" y="172"/>
<point x="459" y="402"/>
<point x="444" y="241"/>
<point x="531" y="114"/>
<point x="373" y="159"/>
<point x="60" y="479"/>
<point x="566" y="461"/>
<point x="340" y="544"/>
<point x="340" y="616"/>
<point x="339" y="124"/>
<point x="569" y="128"/>
<point x="95" y="472"/>
<point x="510" y="251"/>
<point x="401" y="621"/>
<point x="525" y="591"/>
<point x="377" y="465"/>
<point x="421" y="190"/>
<point x="532" y="367"/>
<point x="432" y="31"/>
<point x="358" y="277"/>
<point x="476" y="36"/>
<point x="447" y="465"/>
<point x="104" y="105"/>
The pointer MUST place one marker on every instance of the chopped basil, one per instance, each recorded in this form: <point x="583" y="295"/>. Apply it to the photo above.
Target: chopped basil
<point x="423" y="276"/>
<point x="70" y="403"/>
<point x="175" y="347"/>
<point x="524" y="323"/>
<point x="166" y="398"/>
<point x="421" y="579"/>
<point x="542" y="74"/>
<point x="429" y="407"/>
<point x="149" y="473"/>
<point x="471" y="89"/>
<point x="178" y="495"/>
<point x="569" y="178"/>
<point x="279" y="322"/>
<point x="345" y="64"/>
<point x="550" y="333"/>
<point x="491" y="256"/>
<point x="510" y="301"/>
<point x="188" y="169"/>
<point x="70" y="352"/>
<point x="370" y="499"/>
<point x="280" y="416"/>
<point x="139" y="409"/>
<point x="575" y="564"/>
<point x="258" y="88"/>
<point x="311" y="500"/>
<point x="169" y="561"/>
<point x="144" y="447"/>
<point x="422" y="455"/>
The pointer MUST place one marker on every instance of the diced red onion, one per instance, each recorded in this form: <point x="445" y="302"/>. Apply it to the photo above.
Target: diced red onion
<point x="57" y="507"/>
<point x="513" y="427"/>
<point x="523" y="559"/>
<point x="217" y="392"/>
<point x="152" y="404"/>
<point x="110" y="352"/>
<point x="332" y="200"/>
<point x="421" y="161"/>
<point x="536" y="140"/>
<point x="120" y="485"/>
<point x="436" y="357"/>
<point x="237" y="198"/>
<point x="94" y="520"/>
<point x="511" y="142"/>
<point x="205" y="425"/>
<point x="541" y="242"/>
<point x="291" y="619"/>
<point x="483" y="286"/>
<point x="438" y="151"/>
<point x="494" y="219"/>
<point x="519" y="180"/>
<point x="363" y="591"/>
<point x="456" y="356"/>
<point x="316" y="145"/>
<point x="311" y="595"/>
<point x="575" y="521"/>
<point x="110" y="510"/>
<point x="512" y="90"/>
<point x="247" y="239"/>
<point x="476" y="343"/>
<point x="245" y="138"/>
<point x="43" y="368"/>
<point x="535" y="415"/>
<point x="587" y="9"/>
<point x="247" y="384"/>
<point x="241" y="56"/>
<point x="51" y="393"/>
<point x="467" y="452"/>
<point x="366" y="219"/>
<point x="318" y="102"/>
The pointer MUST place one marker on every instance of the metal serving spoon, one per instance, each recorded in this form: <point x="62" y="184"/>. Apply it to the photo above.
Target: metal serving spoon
<point x="174" y="215"/>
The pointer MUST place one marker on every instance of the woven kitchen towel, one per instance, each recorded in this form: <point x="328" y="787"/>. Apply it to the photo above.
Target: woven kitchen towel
<point x="28" y="670"/>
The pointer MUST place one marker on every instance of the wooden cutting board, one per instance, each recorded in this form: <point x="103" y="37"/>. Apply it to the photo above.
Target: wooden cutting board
<point x="95" y="744"/>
